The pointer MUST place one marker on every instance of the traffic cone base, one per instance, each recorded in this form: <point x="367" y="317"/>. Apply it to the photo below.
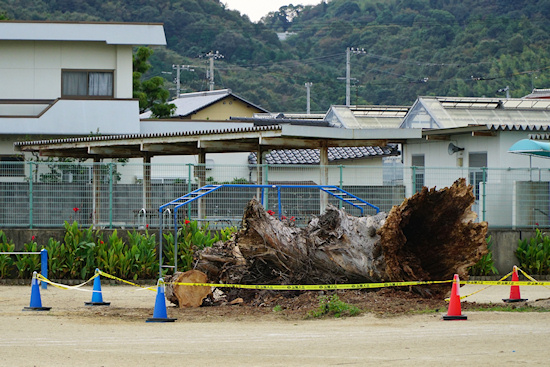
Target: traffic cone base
<point x="512" y="300"/>
<point x="97" y="303"/>
<point x="36" y="308"/>
<point x="455" y="312"/>
<point x="460" y="317"/>
<point x="155" y="319"/>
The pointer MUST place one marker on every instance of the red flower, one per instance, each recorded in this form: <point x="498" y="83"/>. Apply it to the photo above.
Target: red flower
<point x="101" y="242"/>
<point x="75" y="209"/>
<point x="283" y="217"/>
<point x="146" y="226"/>
<point x="32" y="238"/>
<point x="270" y="212"/>
<point x="536" y="224"/>
<point x="292" y="218"/>
<point x="187" y="221"/>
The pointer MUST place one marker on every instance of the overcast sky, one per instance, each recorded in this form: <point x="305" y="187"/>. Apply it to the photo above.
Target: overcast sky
<point x="255" y="9"/>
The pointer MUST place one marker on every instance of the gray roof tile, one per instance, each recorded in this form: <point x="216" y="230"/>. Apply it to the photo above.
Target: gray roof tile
<point x="311" y="156"/>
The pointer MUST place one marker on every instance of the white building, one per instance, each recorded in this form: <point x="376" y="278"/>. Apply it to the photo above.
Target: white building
<point x="470" y="137"/>
<point x="68" y="79"/>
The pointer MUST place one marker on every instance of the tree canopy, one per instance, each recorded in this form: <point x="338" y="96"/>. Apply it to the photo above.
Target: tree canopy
<point x="151" y="93"/>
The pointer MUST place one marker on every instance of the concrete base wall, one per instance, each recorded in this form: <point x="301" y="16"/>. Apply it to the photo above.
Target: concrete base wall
<point x="505" y="243"/>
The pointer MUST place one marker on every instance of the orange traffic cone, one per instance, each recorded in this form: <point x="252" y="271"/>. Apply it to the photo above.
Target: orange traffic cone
<point x="454" y="312"/>
<point x="515" y="295"/>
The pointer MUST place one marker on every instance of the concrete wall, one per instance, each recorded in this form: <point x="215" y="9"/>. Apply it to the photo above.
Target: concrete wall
<point x="505" y="243"/>
<point x="32" y="69"/>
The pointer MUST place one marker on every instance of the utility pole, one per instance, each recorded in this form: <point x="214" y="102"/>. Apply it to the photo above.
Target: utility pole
<point x="349" y="51"/>
<point x="308" y="86"/>
<point x="210" y="75"/>
<point x="507" y="90"/>
<point x="177" y="80"/>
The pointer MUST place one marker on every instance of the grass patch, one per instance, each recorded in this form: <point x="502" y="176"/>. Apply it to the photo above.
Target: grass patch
<point x="277" y="308"/>
<point x="333" y="306"/>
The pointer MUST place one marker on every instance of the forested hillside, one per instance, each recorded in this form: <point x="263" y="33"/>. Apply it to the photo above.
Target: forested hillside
<point x="411" y="47"/>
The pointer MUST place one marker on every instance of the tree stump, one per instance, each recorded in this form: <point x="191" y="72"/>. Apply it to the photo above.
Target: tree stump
<point x="185" y="295"/>
<point x="430" y="236"/>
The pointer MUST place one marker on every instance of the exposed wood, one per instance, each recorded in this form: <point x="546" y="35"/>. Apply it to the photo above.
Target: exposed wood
<point x="183" y="295"/>
<point x="438" y="137"/>
<point x="484" y="133"/>
<point x="430" y="236"/>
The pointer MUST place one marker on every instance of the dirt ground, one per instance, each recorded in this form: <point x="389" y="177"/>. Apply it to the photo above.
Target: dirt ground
<point x="397" y="328"/>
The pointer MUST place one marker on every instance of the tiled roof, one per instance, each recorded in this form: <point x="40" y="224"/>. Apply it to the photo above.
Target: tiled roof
<point x="311" y="156"/>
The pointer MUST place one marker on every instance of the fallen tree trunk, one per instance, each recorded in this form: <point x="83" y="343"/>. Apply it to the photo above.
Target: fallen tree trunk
<point x="430" y="236"/>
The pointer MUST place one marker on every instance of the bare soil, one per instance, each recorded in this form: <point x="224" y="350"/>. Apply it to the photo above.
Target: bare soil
<point x="397" y="328"/>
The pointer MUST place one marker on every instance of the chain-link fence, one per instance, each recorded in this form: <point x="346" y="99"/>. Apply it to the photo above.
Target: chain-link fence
<point x="113" y="195"/>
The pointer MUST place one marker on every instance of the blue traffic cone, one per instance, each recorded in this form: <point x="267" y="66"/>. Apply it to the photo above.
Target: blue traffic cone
<point x="159" y="314"/>
<point x="97" y="296"/>
<point x="36" y="301"/>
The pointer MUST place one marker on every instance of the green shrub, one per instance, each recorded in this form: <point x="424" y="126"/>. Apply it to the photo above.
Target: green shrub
<point x="485" y="265"/>
<point x="144" y="252"/>
<point x="27" y="264"/>
<point x="191" y="237"/>
<point x="534" y="254"/>
<point x="84" y="250"/>
<point x="332" y="305"/>
<point x="6" y="261"/>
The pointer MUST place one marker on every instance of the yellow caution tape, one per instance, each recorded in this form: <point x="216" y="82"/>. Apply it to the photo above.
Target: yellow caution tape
<point x="482" y="289"/>
<point x="99" y="272"/>
<point x="63" y="286"/>
<point x="307" y="287"/>
<point x="506" y="282"/>
<point x="310" y="287"/>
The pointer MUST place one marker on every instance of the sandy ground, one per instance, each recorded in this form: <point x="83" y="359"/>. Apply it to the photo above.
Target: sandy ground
<point x="72" y="334"/>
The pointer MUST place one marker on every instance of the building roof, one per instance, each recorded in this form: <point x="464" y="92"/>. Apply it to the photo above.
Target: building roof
<point x="366" y="117"/>
<point x="111" y="33"/>
<point x="190" y="103"/>
<point x="312" y="156"/>
<point x="456" y="112"/>
<point x="215" y="141"/>
<point x="539" y="93"/>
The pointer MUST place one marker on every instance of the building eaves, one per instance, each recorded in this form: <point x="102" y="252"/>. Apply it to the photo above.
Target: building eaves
<point x="262" y="121"/>
<point x="486" y="127"/>
<point x="110" y="33"/>
<point x="147" y="136"/>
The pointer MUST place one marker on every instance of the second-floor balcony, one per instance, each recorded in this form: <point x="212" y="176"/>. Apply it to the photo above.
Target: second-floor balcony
<point x="69" y="116"/>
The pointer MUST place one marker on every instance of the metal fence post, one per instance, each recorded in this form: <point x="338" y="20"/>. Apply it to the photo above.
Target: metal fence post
<point x="413" y="190"/>
<point x="340" y="203"/>
<point x="44" y="266"/>
<point x="111" y="195"/>
<point x="190" y="170"/>
<point x="30" y="194"/>
<point x="266" y="182"/>
<point x="483" y="194"/>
